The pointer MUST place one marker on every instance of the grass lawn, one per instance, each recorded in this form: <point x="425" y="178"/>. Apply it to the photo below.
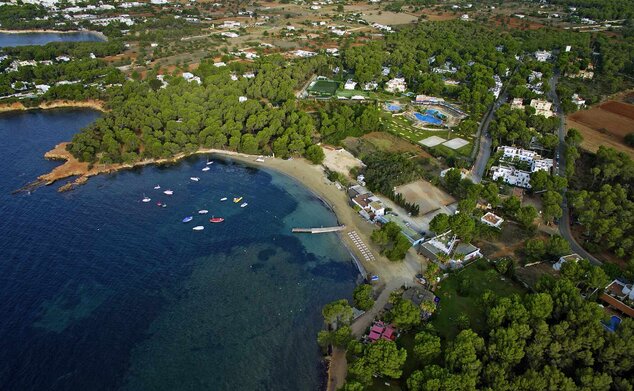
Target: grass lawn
<point x="402" y="127"/>
<point x="483" y="277"/>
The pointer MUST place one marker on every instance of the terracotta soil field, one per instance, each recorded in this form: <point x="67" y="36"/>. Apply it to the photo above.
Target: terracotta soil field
<point x="606" y="124"/>
<point x="434" y="16"/>
<point x="390" y="18"/>
<point x="519" y="24"/>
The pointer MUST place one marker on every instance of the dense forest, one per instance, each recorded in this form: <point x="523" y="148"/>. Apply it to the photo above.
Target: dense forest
<point x="148" y="121"/>
<point x="549" y="340"/>
<point x="602" y="202"/>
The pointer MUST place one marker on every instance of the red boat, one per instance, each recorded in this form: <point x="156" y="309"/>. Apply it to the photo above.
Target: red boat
<point x="216" y="219"/>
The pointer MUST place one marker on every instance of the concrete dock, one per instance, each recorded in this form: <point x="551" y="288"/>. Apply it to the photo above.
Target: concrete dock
<point x="321" y="230"/>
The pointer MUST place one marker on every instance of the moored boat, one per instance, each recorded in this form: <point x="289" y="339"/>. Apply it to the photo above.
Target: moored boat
<point x="168" y="192"/>
<point x="198" y="228"/>
<point x="237" y="199"/>
<point x="223" y="199"/>
<point x="157" y="187"/>
<point x="216" y="219"/>
<point x="146" y="199"/>
<point x="203" y="212"/>
<point x="194" y="178"/>
<point x="206" y="169"/>
<point x="188" y="219"/>
<point x="243" y="205"/>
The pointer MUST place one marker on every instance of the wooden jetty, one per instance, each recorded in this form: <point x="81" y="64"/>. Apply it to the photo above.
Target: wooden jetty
<point x="321" y="230"/>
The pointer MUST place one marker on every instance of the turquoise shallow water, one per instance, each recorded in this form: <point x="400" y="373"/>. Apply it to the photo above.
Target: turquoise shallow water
<point x="100" y="291"/>
<point x="24" y="39"/>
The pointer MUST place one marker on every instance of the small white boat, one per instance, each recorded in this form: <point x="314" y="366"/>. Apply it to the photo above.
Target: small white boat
<point x="206" y="169"/>
<point x="168" y="192"/>
<point x="188" y="219"/>
<point x="223" y="199"/>
<point x="203" y="212"/>
<point x="157" y="187"/>
<point x="198" y="228"/>
<point x="243" y="205"/>
<point x="209" y="162"/>
<point x="194" y="178"/>
<point x="146" y="199"/>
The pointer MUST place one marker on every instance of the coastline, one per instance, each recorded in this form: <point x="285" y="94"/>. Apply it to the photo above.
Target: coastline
<point x="54" y="104"/>
<point x="311" y="176"/>
<point x="98" y="34"/>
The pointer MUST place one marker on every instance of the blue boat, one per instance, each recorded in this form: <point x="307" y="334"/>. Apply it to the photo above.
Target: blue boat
<point x="188" y="219"/>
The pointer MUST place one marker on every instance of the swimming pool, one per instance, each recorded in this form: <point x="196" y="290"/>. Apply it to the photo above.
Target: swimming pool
<point x="428" y="118"/>
<point x="394" y="107"/>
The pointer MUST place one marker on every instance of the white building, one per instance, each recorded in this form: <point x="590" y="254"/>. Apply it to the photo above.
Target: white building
<point x="511" y="175"/>
<point x="242" y="99"/>
<point x="447" y="250"/>
<point x="188" y="76"/>
<point x="517" y="103"/>
<point x="370" y="86"/>
<point x="229" y="34"/>
<point x="396" y="85"/>
<point x="304" y="53"/>
<point x="350" y="85"/>
<point x="333" y="51"/>
<point x="572" y="258"/>
<point x="230" y="24"/>
<point x="577" y="100"/>
<point x="492" y="220"/>
<point x="543" y="55"/>
<point x="219" y="64"/>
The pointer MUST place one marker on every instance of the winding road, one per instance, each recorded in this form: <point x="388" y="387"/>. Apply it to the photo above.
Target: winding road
<point x="560" y="169"/>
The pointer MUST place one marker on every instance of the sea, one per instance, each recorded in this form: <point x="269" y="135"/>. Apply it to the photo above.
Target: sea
<point x="23" y="39"/>
<point x="101" y="291"/>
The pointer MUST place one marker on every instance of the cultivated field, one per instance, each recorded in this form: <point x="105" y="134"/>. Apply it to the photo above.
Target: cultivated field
<point x="427" y="196"/>
<point x="390" y="18"/>
<point x="606" y="124"/>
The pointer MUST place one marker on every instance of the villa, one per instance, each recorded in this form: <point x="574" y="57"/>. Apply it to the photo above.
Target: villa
<point x="619" y="296"/>
<point x="350" y="85"/>
<point x="396" y="85"/>
<point x="514" y="176"/>
<point x="543" y="55"/>
<point x="492" y="220"/>
<point x="369" y="203"/>
<point x="542" y="107"/>
<point x="511" y="175"/>
<point x="566" y="258"/>
<point x="448" y="251"/>
<point x="517" y="104"/>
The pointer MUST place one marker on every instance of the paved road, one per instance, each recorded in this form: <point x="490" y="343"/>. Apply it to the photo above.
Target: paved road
<point x="560" y="169"/>
<point x="484" y="150"/>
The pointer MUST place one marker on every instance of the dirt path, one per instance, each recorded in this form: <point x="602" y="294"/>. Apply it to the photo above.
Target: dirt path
<point x="337" y="370"/>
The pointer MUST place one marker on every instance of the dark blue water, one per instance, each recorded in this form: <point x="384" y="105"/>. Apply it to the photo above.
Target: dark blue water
<point x="22" y="39"/>
<point x="99" y="291"/>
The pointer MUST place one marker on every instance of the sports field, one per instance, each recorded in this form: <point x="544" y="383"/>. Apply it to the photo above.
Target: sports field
<point x="323" y="87"/>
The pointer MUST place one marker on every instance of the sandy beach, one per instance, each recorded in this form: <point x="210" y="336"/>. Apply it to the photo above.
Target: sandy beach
<point x="392" y="274"/>
<point x="54" y="104"/>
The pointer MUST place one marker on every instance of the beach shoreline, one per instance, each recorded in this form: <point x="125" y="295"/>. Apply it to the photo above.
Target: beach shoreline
<point x="46" y="31"/>
<point x="312" y="177"/>
<point x="55" y="104"/>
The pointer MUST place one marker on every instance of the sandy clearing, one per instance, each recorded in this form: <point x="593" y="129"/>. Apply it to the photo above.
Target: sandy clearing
<point x="427" y="196"/>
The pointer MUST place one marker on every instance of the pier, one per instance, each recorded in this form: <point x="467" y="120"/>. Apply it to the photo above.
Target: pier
<point x="321" y="230"/>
